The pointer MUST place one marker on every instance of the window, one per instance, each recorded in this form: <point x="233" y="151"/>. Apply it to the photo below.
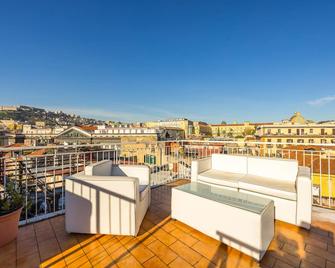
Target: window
<point x="298" y="131"/>
<point x="310" y="131"/>
<point x="269" y="131"/>
<point x="323" y="141"/>
<point x="333" y="131"/>
<point x="279" y="131"/>
<point x="311" y="141"/>
<point x="323" y="131"/>
<point x="269" y="140"/>
<point x="289" y="140"/>
<point x="302" y="131"/>
<point x="278" y="140"/>
<point x="300" y="141"/>
<point x="149" y="159"/>
<point x="289" y="131"/>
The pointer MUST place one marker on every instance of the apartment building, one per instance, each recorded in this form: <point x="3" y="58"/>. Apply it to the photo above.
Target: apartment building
<point x="235" y="130"/>
<point x="181" y="123"/>
<point x="38" y="135"/>
<point x="297" y="130"/>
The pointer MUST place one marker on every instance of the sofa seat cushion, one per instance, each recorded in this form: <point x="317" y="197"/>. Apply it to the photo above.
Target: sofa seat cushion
<point x="144" y="189"/>
<point x="269" y="186"/>
<point x="221" y="178"/>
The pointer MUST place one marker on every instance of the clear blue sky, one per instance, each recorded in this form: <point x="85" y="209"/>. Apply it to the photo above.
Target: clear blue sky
<point x="139" y="60"/>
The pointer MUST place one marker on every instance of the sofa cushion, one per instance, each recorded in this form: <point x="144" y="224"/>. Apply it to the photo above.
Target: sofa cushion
<point x="229" y="163"/>
<point x="281" y="169"/>
<point x="221" y="178"/>
<point x="269" y="186"/>
<point x="144" y="189"/>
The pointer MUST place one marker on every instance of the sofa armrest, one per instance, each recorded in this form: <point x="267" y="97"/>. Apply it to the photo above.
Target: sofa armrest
<point x="304" y="197"/>
<point x="199" y="166"/>
<point x="141" y="172"/>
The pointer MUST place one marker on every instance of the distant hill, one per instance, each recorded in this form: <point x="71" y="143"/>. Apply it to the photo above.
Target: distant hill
<point x="29" y="115"/>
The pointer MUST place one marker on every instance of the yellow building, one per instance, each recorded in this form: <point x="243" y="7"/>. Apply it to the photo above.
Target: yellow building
<point x="298" y="130"/>
<point x="10" y="124"/>
<point x="234" y="130"/>
<point x="202" y="129"/>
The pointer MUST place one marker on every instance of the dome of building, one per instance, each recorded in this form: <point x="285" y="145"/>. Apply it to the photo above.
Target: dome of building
<point x="297" y="118"/>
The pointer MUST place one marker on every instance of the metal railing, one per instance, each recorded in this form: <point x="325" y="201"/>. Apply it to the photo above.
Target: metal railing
<point x="41" y="171"/>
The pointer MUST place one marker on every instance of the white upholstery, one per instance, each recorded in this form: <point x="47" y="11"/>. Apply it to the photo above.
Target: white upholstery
<point x="281" y="180"/>
<point x="219" y="177"/>
<point x="107" y="199"/>
<point x="269" y="186"/>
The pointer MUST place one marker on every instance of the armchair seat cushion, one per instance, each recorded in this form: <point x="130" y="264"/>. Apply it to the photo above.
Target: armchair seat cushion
<point x="144" y="190"/>
<point x="221" y="178"/>
<point x="269" y="186"/>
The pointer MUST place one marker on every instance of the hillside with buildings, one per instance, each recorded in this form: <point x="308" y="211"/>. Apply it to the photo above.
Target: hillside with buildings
<point x="31" y="115"/>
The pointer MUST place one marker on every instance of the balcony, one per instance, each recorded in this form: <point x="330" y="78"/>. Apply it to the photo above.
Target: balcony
<point x="162" y="242"/>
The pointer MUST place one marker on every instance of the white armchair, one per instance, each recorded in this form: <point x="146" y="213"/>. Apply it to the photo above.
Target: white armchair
<point x="107" y="199"/>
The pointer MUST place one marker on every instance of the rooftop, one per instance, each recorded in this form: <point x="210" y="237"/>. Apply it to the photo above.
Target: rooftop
<point x="164" y="242"/>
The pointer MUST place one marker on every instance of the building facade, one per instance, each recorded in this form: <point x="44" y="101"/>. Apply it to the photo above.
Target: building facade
<point x="202" y="129"/>
<point x="297" y="130"/>
<point x="38" y="135"/>
<point x="235" y="130"/>
<point x="182" y="123"/>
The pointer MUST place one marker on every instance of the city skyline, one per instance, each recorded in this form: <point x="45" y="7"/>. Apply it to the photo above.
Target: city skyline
<point x="99" y="119"/>
<point x="232" y="61"/>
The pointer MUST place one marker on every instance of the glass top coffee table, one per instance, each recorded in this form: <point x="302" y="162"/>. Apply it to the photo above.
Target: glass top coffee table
<point x="240" y="220"/>
<point x="236" y="199"/>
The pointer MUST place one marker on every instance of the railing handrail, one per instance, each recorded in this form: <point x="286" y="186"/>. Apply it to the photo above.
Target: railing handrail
<point x="75" y="146"/>
<point x="260" y="143"/>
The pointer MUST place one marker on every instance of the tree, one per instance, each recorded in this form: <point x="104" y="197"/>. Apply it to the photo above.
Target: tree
<point x="249" y="131"/>
<point x="223" y="123"/>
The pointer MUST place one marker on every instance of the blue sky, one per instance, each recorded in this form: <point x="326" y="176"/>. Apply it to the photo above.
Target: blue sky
<point x="141" y="60"/>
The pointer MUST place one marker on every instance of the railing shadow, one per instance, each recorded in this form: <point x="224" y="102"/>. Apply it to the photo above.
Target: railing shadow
<point x="288" y="248"/>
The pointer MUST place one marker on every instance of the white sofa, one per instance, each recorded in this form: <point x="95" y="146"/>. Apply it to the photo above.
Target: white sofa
<point x="282" y="180"/>
<point x="107" y="199"/>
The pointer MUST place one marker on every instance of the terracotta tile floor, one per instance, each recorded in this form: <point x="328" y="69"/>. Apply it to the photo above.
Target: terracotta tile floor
<point x="163" y="242"/>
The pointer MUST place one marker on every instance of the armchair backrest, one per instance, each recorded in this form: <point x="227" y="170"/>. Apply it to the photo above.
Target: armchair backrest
<point x="106" y="168"/>
<point x="229" y="163"/>
<point x="142" y="172"/>
<point x="101" y="168"/>
<point x="110" y="185"/>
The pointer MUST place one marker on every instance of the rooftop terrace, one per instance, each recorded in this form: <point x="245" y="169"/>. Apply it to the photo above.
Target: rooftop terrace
<point x="164" y="242"/>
